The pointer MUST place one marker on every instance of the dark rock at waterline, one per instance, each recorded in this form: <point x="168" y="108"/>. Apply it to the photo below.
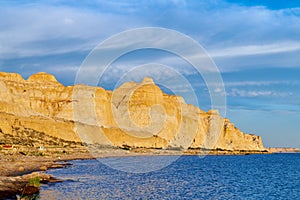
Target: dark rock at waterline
<point x="60" y="165"/>
<point x="20" y="185"/>
<point x="30" y="190"/>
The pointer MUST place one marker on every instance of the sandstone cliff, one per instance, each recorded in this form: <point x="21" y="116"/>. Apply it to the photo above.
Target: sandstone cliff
<point x="135" y="115"/>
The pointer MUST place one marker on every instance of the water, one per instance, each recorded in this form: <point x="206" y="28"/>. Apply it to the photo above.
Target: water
<point x="275" y="176"/>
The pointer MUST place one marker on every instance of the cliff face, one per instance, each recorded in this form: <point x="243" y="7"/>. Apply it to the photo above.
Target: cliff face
<point x="135" y="114"/>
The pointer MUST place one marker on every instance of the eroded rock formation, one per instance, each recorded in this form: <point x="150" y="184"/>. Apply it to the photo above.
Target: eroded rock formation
<point x="135" y="115"/>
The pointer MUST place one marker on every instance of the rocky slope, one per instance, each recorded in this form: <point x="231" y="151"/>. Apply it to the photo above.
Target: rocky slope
<point x="134" y="115"/>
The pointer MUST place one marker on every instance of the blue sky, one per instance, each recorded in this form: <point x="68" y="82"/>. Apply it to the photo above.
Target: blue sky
<point x="254" y="43"/>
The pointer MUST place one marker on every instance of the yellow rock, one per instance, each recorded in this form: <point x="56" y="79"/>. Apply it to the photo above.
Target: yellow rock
<point x="43" y="168"/>
<point x="135" y="114"/>
<point x="21" y="169"/>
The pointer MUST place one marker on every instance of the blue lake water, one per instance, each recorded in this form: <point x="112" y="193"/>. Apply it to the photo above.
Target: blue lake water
<point x="275" y="176"/>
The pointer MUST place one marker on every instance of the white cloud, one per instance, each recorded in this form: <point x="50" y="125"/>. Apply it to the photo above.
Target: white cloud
<point x="260" y="83"/>
<point x="226" y="30"/>
<point x="278" y="47"/>
<point x="47" y="30"/>
<point x="257" y="93"/>
<point x="230" y="84"/>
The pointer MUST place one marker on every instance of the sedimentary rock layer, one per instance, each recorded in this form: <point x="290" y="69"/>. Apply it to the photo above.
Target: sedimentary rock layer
<point x="135" y="115"/>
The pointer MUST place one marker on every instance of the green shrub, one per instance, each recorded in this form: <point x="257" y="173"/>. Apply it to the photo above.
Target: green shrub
<point x="35" y="181"/>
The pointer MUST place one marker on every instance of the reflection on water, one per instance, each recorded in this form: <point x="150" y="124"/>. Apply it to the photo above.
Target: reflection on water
<point x="213" y="177"/>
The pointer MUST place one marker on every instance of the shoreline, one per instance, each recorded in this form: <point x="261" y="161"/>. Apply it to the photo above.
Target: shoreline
<point x="17" y="170"/>
<point x="22" y="175"/>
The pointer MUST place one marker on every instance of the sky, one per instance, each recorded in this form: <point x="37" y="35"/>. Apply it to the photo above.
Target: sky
<point x="255" y="45"/>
